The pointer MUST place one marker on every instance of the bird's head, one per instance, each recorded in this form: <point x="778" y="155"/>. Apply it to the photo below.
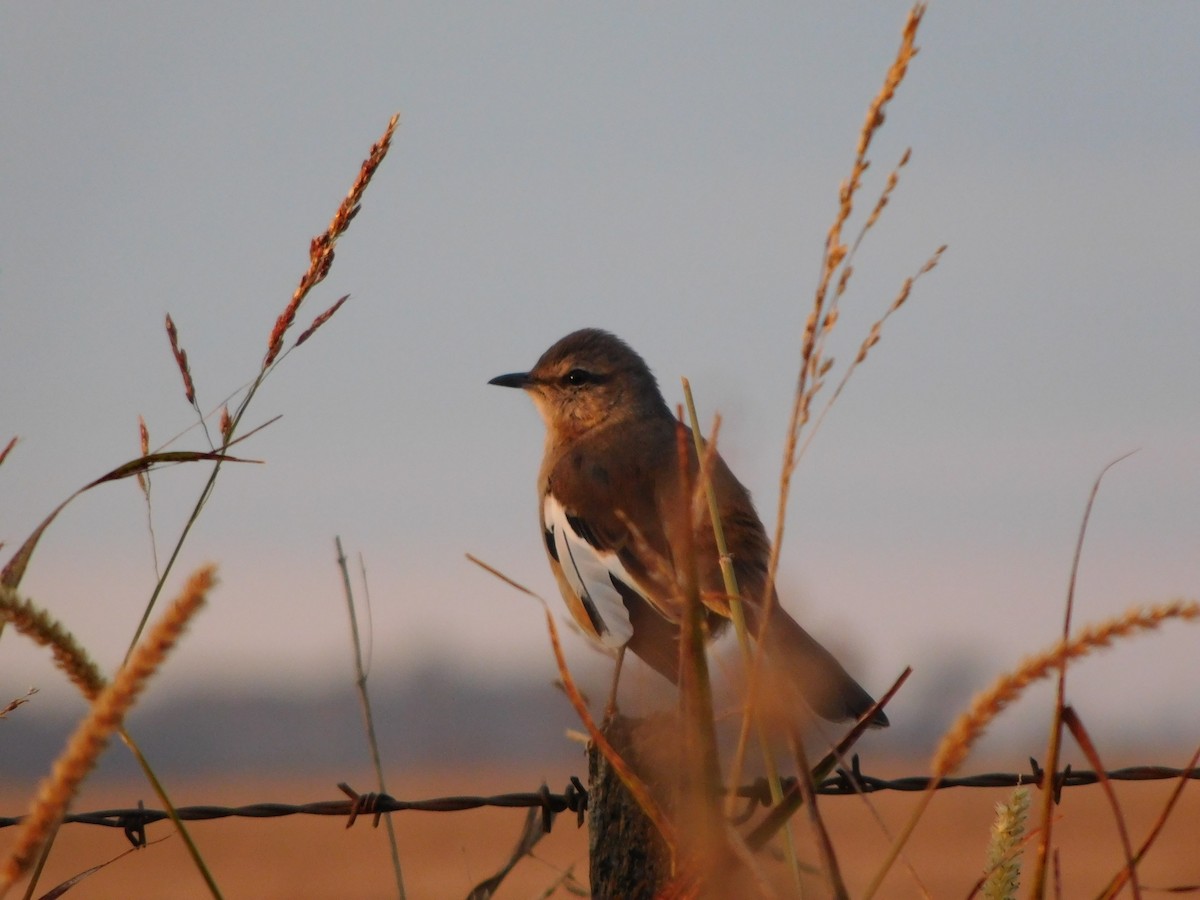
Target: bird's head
<point x="587" y="379"/>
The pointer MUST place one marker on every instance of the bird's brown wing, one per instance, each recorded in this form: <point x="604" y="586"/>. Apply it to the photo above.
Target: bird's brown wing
<point x="608" y="503"/>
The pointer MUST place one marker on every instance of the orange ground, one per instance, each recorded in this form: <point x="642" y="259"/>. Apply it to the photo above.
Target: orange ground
<point x="445" y="854"/>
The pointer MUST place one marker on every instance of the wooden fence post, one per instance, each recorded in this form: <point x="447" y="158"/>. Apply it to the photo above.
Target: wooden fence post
<point x="627" y="857"/>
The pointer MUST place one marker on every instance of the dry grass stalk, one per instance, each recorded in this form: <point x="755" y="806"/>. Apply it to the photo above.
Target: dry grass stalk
<point x="837" y="754"/>
<point x="872" y="338"/>
<point x="829" y="863"/>
<point x="320" y="251"/>
<point x="892" y="180"/>
<point x="699" y="805"/>
<point x="40" y="627"/>
<point x="835" y="250"/>
<point x="695" y="688"/>
<point x="364" y="699"/>
<point x="1119" y="880"/>
<point x="320" y="261"/>
<point x="7" y="447"/>
<point x="181" y="360"/>
<point x="704" y="497"/>
<point x="107" y="712"/>
<point x="901" y="297"/>
<point x="847" y="264"/>
<point x="813" y="365"/>
<point x="1054" y="744"/>
<point x="1071" y="719"/>
<point x="969" y="727"/>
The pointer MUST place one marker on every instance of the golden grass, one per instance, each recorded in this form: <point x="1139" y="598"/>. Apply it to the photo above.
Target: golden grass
<point x="1127" y="873"/>
<point x="111" y="701"/>
<point x="707" y="851"/>
<point x="814" y="365"/>
<point x="320" y="251"/>
<point x="957" y="742"/>
<point x="1005" y="690"/>
<point x="43" y="629"/>
<point x="108" y="709"/>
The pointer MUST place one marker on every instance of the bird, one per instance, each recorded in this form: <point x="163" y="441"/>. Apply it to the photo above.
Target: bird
<point x="613" y="514"/>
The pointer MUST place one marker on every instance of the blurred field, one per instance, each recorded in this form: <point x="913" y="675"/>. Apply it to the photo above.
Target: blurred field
<point x="446" y="854"/>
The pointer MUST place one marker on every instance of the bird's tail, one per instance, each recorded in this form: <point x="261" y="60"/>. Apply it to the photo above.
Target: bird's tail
<point x="825" y="686"/>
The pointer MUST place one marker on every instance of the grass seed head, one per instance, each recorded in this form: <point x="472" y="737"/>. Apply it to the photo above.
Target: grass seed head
<point x="181" y="360"/>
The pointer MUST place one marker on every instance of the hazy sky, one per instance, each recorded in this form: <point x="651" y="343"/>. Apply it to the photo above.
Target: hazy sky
<point x="668" y="172"/>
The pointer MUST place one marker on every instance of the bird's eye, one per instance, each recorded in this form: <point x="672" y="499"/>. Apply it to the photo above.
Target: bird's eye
<point x="578" y="376"/>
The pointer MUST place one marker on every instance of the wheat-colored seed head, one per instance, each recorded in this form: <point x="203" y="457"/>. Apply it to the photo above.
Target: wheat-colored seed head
<point x="108" y="710"/>
<point x="40" y="627"/>
<point x="181" y="360"/>
<point x="320" y="251"/>
<point x="970" y="726"/>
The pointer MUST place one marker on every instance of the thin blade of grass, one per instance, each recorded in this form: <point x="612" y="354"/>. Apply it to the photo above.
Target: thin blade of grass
<point x="956" y="743"/>
<point x="804" y="779"/>
<point x="14" y="570"/>
<point x="706" y="453"/>
<point x="7" y="449"/>
<point x="792" y="800"/>
<point x="1121" y="878"/>
<point x="1053" y="750"/>
<point x="1005" y="690"/>
<point x="160" y="790"/>
<point x="61" y="889"/>
<point x="700" y="804"/>
<point x="531" y="833"/>
<point x="364" y="699"/>
<point x="1083" y="739"/>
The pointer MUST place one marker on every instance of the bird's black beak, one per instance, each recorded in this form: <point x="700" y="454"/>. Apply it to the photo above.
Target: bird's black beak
<point x="514" y="380"/>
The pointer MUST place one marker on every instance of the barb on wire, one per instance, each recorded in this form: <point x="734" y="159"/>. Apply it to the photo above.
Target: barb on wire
<point x="574" y="797"/>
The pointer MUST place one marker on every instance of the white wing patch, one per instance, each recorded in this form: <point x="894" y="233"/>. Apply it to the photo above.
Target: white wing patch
<point x="590" y="573"/>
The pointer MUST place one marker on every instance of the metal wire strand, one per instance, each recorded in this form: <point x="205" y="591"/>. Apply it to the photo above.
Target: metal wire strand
<point x="574" y="798"/>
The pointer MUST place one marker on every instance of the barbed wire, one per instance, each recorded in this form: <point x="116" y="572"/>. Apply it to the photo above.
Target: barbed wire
<point x="574" y="798"/>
